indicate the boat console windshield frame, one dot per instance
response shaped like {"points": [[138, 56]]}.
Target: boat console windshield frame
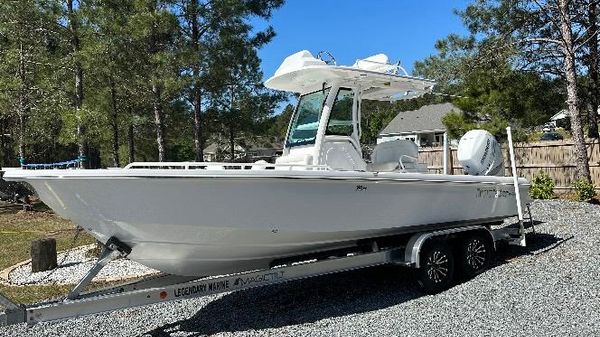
{"points": [[329, 113], [324, 129], [305, 120]]}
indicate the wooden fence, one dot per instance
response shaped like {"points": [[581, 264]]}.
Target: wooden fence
{"points": [[557, 158]]}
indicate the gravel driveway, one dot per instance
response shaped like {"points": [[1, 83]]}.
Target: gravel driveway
{"points": [[552, 288]]}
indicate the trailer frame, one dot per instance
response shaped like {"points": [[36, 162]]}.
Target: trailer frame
{"points": [[164, 287]]}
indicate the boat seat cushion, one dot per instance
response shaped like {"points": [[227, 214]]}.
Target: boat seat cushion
{"points": [[400, 154], [341, 154], [383, 167]]}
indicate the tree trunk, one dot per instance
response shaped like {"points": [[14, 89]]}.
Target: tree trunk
{"points": [[130, 138], [2, 144], [592, 65], [198, 143], [5, 142], [75, 45], [231, 142], [21, 134], [158, 120], [114, 124], [582, 168], [231, 123], [22, 105], [157, 90], [197, 99], [78, 103]]}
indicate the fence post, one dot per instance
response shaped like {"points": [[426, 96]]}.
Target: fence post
{"points": [[445, 159]]}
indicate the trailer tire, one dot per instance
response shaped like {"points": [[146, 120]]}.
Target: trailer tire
{"points": [[475, 255], [436, 272]]}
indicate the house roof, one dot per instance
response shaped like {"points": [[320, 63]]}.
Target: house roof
{"points": [[564, 113], [213, 147], [427, 118], [560, 115]]}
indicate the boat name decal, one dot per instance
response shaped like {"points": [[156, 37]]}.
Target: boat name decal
{"points": [[263, 278], [492, 192], [361, 188], [201, 288]]}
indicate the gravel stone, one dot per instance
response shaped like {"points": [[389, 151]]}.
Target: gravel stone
{"points": [[550, 288], [74, 266]]}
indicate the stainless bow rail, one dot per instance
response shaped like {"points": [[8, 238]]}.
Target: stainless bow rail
{"points": [[216, 166]]}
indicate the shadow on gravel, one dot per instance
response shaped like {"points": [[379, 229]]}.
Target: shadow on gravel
{"points": [[310, 300], [537, 243], [300, 302]]}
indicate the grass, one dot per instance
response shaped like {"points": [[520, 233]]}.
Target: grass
{"points": [[17, 230], [34, 293]]}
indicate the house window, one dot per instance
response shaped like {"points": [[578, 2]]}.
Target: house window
{"points": [[439, 139]]}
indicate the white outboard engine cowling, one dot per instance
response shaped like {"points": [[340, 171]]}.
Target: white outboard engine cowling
{"points": [[480, 154]]}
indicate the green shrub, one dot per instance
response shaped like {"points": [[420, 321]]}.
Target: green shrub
{"points": [[584, 190], [542, 186]]}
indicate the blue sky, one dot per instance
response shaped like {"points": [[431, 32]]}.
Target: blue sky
{"points": [[405, 30]]}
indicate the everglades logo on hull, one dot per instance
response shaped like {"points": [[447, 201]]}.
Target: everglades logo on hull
{"points": [[492, 192]]}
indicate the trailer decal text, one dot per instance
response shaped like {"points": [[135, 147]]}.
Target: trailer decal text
{"points": [[201, 288], [263, 278]]}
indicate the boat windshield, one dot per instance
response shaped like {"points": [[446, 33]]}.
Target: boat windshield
{"points": [[306, 120], [340, 120]]}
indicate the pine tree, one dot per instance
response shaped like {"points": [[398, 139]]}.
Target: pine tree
{"points": [[27, 56], [208, 28]]}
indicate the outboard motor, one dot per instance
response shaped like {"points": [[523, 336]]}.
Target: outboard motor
{"points": [[480, 154]]}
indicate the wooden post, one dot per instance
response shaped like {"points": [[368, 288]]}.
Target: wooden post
{"points": [[450, 161], [446, 156], [43, 255]]}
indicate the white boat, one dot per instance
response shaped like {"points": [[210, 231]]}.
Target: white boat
{"points": [[193, 218]]}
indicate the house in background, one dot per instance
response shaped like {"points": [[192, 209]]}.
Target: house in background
{"points": [[423, 126], [216, 152], [561, 120]]}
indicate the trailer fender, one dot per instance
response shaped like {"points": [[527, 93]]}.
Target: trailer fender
{"points": [[412, 252]]}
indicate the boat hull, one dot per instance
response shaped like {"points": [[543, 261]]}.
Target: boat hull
{"points": [[207, 225]]}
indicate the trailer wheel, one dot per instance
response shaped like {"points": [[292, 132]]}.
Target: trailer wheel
{"points": [[476, 253], [436, 272]]}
